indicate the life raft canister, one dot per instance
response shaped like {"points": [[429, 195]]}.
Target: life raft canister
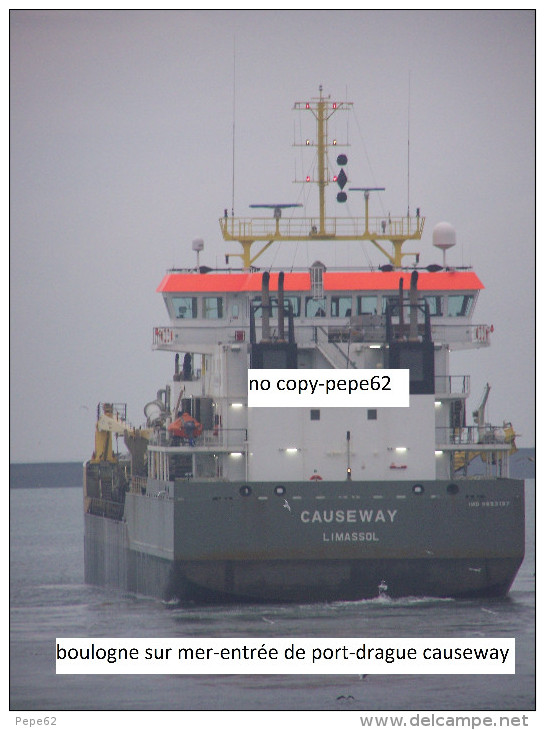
{"points": [[185, 427]]}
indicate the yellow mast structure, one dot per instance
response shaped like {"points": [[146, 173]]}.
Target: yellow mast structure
{"points": [[378, 230]]}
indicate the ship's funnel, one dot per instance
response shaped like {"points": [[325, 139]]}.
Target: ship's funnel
{"points": [[413, 302], [281, 306], [265, 307]]}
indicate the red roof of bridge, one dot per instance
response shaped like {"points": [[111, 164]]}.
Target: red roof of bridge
{"points": [[333, 281]]}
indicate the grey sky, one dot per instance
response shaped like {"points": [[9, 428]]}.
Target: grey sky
{"points": [[121, 154]]}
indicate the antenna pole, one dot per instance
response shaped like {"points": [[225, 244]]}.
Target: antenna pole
{"points": [[409, 148], [233, 145]]}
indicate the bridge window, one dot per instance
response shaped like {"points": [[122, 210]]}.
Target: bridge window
{"points": [[459, 305], [315, 307], [341, 306], [185, 307], [295, 306], [213, 308], [435, 306], [256, 304], [392, 302], [367, 305]]}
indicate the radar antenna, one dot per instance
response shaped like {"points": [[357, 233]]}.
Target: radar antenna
{"points": [[277, 207], [366, 192]]}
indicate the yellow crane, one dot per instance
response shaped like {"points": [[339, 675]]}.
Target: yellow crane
{"points": [[111, 419]]}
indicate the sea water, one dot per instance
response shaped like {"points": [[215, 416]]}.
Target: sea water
{"points": [[48, 599]]}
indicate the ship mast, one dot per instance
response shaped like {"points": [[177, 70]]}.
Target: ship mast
{"points": [[321, 127], [378, 230]]}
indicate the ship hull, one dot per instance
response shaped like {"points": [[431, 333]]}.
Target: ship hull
{"points": [[298, 542], [338, 580]]}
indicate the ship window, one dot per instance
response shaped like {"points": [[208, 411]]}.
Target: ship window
{"points": [[434, 304], [367, 305], [315, 307], [315, 414], [392, 302], [459, 305], [371, 414], [185, 307], [341, 306], [212, 307], [256, 304], [295, 306]]}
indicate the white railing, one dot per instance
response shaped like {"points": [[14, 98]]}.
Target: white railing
{"points": [[471, 435]]}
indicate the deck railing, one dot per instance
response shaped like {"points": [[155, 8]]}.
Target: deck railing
{"points": [[212, 438], [266, 228], [491, 436], [138, 485], [356, 329], [451, 384]]}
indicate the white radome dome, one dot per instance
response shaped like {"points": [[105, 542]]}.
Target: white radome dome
{"points": [[444, 236]]}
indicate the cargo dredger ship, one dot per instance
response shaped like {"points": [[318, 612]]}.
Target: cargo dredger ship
{"points": [[218, 501]]}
